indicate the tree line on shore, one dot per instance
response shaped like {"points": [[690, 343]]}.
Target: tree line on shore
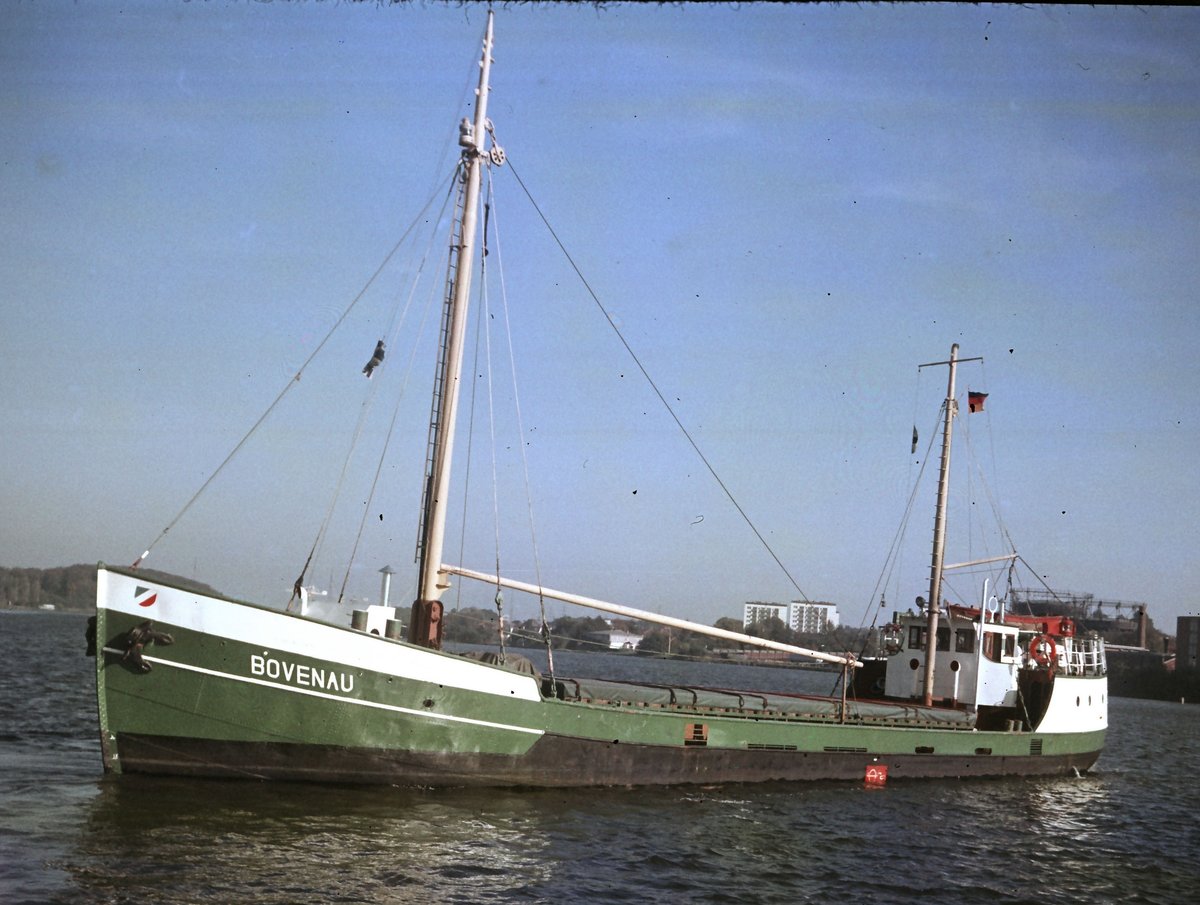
{"points": [[67, 588], [73, 589], [473, 625]]}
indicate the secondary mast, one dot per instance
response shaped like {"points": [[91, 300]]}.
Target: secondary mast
{"points": [[425, 625], [938, 564]]}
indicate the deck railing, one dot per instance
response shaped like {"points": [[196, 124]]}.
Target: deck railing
{"points": [[1083, 657]]}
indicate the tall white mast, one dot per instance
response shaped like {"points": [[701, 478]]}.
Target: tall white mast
{"points": [[425, 626]]}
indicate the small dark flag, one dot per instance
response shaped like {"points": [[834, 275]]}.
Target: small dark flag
{"points": [[376, 360], [975, 401], [914, 446]]}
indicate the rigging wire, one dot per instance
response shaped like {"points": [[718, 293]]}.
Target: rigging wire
{"points": [[512, 363], [295, 379], [403, 384], [978, 474], [1040, 581], [364, 410], [462, 536], [654, 386], [399, 315], [993, 496], [965, 433], [892, 560], [924, 459], [395, 323], [482, 351], [485, 312], [976, 471]]}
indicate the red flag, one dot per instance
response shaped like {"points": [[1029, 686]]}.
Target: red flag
{"points": [[975, 401]]}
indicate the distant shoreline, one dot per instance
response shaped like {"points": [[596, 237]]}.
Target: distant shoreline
{"points": [[57, 610], [39, 611]]}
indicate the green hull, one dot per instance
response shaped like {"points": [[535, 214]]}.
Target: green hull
{"points": [[231, 697]]}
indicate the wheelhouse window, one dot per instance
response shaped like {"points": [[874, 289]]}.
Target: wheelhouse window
{"points": [[993, 643], [943, 638], [916, 637], [964, 640]]}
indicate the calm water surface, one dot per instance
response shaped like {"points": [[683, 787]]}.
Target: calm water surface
{"points": [[1127, 832]]}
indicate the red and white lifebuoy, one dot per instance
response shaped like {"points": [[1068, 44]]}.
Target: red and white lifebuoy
{"points": [[1043, 651]]}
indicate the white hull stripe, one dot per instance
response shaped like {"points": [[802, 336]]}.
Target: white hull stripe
{"points": [[333, 697]]}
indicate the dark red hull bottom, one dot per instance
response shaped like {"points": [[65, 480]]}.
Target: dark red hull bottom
{"points": [[556, 761]]}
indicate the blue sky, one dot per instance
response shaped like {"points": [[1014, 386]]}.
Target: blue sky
{"points": [[785, 208]]}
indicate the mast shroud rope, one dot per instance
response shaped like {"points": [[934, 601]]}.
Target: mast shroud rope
{"points": [[659, 393], [291, 382]]}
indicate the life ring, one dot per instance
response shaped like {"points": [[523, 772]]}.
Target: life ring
{"points": [[1043, 651]]}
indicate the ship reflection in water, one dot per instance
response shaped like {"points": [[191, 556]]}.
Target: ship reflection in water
{"points": [[160, 839]]}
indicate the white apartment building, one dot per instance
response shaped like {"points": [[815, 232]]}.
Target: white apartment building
{"points": [[798, 615]]}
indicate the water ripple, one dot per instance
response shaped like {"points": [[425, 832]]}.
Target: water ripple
{"points": [[1125, 833]]}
